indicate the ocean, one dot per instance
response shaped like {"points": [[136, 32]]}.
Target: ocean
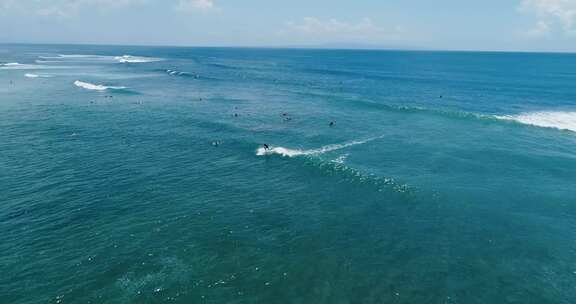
{"points": [[139, 175]]}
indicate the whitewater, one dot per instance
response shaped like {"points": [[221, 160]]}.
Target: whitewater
{"points": [[96, 87], [286, 152], [561, 120]]}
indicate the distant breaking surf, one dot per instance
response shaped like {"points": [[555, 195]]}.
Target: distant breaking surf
{"points": [[179, 73], [119, 59], [30, 75], [286, 152], [546, 119], [21, 66], [135, 59], [95, 87]]}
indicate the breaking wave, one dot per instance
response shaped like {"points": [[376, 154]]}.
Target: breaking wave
{"points": [[30, 75], [546, 119], [95, 87], [561, 120], [26, 66], [60, 56], [183, 74], [135, 59], [286, 152], [48, 61], [20, 66], [119, 59]]}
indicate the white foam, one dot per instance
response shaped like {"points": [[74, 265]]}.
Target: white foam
{"points": [[48, 61], [95, 87], [546, 119], [340, 159], [135, 59], [15, 66], [20, 66], [280, 151], [286, 152], [30, 75], [120, 59], [178, 73], [60, 56]]}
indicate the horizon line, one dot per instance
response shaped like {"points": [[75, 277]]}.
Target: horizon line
{"points": [[300, 47]]}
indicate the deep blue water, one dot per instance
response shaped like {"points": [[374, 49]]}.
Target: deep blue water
{"points": [[448, 177]]}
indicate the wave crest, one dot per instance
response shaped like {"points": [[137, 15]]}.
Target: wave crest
{"points": [[547, 119], [120, 59], [179, 73], [286, 152], [30, 75], [135, 59], [20, 66], [95, 87]]}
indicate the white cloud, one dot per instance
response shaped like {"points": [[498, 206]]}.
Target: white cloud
{"points": [[68, 8], [363, 30], [62, 8], [541, 29], [552, 15], [191, 5]]}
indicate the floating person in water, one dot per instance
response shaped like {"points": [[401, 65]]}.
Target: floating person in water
{"points": [[332, 124], [216, 143], [286, 116]]}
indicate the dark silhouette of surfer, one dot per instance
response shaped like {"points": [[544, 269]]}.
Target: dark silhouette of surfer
{"points": [[266, 147], [332, 123]]}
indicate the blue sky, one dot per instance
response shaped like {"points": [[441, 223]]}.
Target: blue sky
{"points": [[525, 25]]}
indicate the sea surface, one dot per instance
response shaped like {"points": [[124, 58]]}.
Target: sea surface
{"points": [[138, 175]]}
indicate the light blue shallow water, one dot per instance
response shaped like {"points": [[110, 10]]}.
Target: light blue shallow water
{"points": [[447, 178]]}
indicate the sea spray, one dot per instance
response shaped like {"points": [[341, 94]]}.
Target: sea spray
{"points": [[95, 87], [547, 119], [286, 152]]}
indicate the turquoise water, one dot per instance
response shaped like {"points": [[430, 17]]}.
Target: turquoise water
{"points": [[447, 178]]}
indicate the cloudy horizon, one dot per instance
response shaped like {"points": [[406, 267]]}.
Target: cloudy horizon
{"points": [[509, 25]]}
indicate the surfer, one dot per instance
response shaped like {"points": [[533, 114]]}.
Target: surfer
{"points": [[332, 123], [266, 147]]}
